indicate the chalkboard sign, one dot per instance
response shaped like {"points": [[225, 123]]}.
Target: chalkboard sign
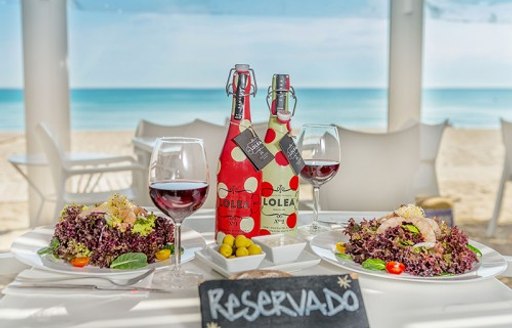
{"points": [[312, 301], [292, 153], [254, 148]]}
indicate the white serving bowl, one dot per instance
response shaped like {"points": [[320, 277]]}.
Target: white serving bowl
{"points": [[281, 248], [237, 264]]}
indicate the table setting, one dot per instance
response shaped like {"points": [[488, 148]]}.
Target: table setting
{"points": [[116, 263], [47, 272], [483, 297]]}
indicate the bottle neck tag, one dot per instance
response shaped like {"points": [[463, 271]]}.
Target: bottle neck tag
{"points": [[292, 154], [239, 97], [254, 148]]}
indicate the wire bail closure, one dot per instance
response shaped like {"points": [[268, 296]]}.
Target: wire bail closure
{"points": [[291, 91], [229, 84]]}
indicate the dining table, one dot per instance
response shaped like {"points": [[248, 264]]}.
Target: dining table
{"points": [[388, 302]]}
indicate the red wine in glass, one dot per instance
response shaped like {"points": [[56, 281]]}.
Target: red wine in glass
{"points": [[178, 199], [317, 172]]}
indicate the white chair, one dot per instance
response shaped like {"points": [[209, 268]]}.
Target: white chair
{"points": [[213, 136], [506, 175], [397, 178], [377, 171], [80, 179], [150, 129], [426, 183]]}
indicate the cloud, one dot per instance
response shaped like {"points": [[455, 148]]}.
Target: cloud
{"points": [[472, 55], [11, 58], [174, 50], [133, 49]]}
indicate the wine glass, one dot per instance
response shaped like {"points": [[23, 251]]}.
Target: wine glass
{"points": [[319, 145], [178, 186]]}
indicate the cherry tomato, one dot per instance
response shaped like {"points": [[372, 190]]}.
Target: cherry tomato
{"points": [[395, 267], [79, 262]]}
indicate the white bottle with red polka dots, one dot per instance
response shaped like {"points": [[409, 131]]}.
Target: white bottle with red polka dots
{"points": [[238, 181], [280, 184]]}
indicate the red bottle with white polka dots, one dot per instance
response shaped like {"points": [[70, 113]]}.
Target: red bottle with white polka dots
{"points": [[280, 186], [238, 181]]}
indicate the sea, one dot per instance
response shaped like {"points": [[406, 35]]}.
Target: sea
{"points": [[121, 109]]}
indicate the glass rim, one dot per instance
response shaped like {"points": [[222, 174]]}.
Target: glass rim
{"points": [[180, 139]]}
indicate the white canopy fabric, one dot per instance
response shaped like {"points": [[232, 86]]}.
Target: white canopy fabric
{"points": [[495, 11]]}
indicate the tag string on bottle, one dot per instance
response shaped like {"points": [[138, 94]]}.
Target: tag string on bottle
{"points": [[229, 84], [291, 91], [248, 127]]}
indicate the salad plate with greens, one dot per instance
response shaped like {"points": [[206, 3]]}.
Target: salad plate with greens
{"points": [[406, 245], [114, 237]]}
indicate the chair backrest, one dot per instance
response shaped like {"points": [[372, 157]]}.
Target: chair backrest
{"points": [[54, 155], [426, 183], [213, 136], [150, 129], [506, 132], [376, 173]]}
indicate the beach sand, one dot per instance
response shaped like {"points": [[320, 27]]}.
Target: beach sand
{"points": [[469, 168]]}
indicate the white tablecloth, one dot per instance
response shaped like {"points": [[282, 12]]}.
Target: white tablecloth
{"points": [[485, 303]]}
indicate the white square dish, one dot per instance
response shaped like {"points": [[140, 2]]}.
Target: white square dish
{"points": [[281, 248], [236, 264], [305, 260]]}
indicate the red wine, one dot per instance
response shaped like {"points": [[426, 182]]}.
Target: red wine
{"points": [[178, 199], [318, 172]]}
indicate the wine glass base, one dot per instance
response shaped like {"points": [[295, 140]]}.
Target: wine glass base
{"points": [[177, 279], [311, 230]]}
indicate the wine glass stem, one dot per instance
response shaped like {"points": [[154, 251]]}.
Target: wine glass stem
{"points": [[177, 246], [316, 206]]}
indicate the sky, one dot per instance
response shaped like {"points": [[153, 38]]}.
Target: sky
{"points": [[177, 43]]}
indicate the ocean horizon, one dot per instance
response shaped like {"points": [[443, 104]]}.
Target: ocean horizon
{"points": [[122, 108]]}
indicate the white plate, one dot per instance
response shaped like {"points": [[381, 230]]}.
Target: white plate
{"points": [[305, 260], [491, 263], [26, 246]]}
